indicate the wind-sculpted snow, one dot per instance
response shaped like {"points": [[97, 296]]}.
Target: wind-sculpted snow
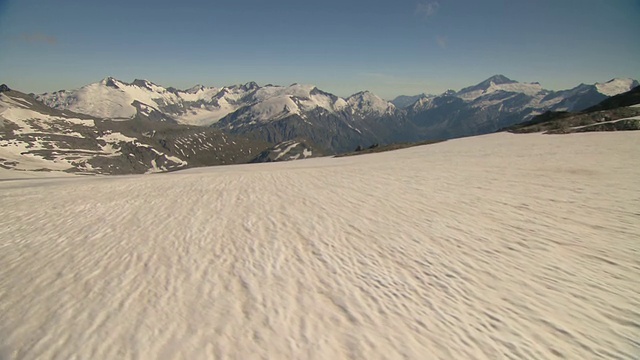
{"points": [[502, 246]]}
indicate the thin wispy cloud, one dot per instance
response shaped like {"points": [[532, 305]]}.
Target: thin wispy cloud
{"points": [[36, 38], [427, 9]]}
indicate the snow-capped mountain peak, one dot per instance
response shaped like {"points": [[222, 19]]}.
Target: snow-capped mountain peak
{"points": [[498, 83], [195, 89], [498, 79], [367, 102], [115, 99], [146, 84], [272, 103], [111, 82], [250, 86], [486, 84], [616, 86]]}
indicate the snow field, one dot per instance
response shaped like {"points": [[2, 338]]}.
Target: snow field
{"points": [[499, 246]]}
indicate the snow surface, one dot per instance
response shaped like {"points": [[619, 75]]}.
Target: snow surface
{"points": [[272, 103], [94, 99], [368, 102], [530, 89], [113, 102], [206, 115], [202, 106], [272, 109], [500, 246], [303, 94], [615, 86], [198, 93]]}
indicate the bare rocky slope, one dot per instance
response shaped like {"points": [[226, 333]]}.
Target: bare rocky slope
{"points": [[36, 137], [620, 112]]}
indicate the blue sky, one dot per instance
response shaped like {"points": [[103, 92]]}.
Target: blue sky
{"points": [[388, 47]]}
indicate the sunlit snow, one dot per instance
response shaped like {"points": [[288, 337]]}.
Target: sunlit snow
{"points": [[500, 246], [615, 86]]}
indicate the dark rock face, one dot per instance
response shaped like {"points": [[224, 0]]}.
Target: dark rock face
{"points": [[622, 125], [110, 82], [332, 133], [142, 83], [4, 88]]}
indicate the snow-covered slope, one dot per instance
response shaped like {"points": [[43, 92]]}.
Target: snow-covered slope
{"points": [[36, 137], [109, 98], [386, 256], [498, 89], [282, 113], [405, 101], [366, 102], [304, 112], [112, 98], [499, 83], [207, 110], [273, 103], [499, 102], [616, 86]]}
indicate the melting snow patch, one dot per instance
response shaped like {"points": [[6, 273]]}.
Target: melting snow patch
{"points": [[286, 150]]}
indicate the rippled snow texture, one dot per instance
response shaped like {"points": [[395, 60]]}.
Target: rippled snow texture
{"points": [[501, 246]]}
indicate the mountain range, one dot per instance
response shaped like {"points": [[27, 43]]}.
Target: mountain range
{"points": [[112, 126]]}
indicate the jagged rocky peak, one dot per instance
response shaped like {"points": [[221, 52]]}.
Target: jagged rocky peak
{"points": [[368, 102], [405, 101], [143, 83], [363, 96], [486, 84], [249, 86], [499, 79], [316, 91], [4, 88], [616, 86], [110, 82], [194, 89]]}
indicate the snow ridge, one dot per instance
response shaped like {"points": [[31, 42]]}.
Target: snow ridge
{"points": [[200, 105], [616, 86]]}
